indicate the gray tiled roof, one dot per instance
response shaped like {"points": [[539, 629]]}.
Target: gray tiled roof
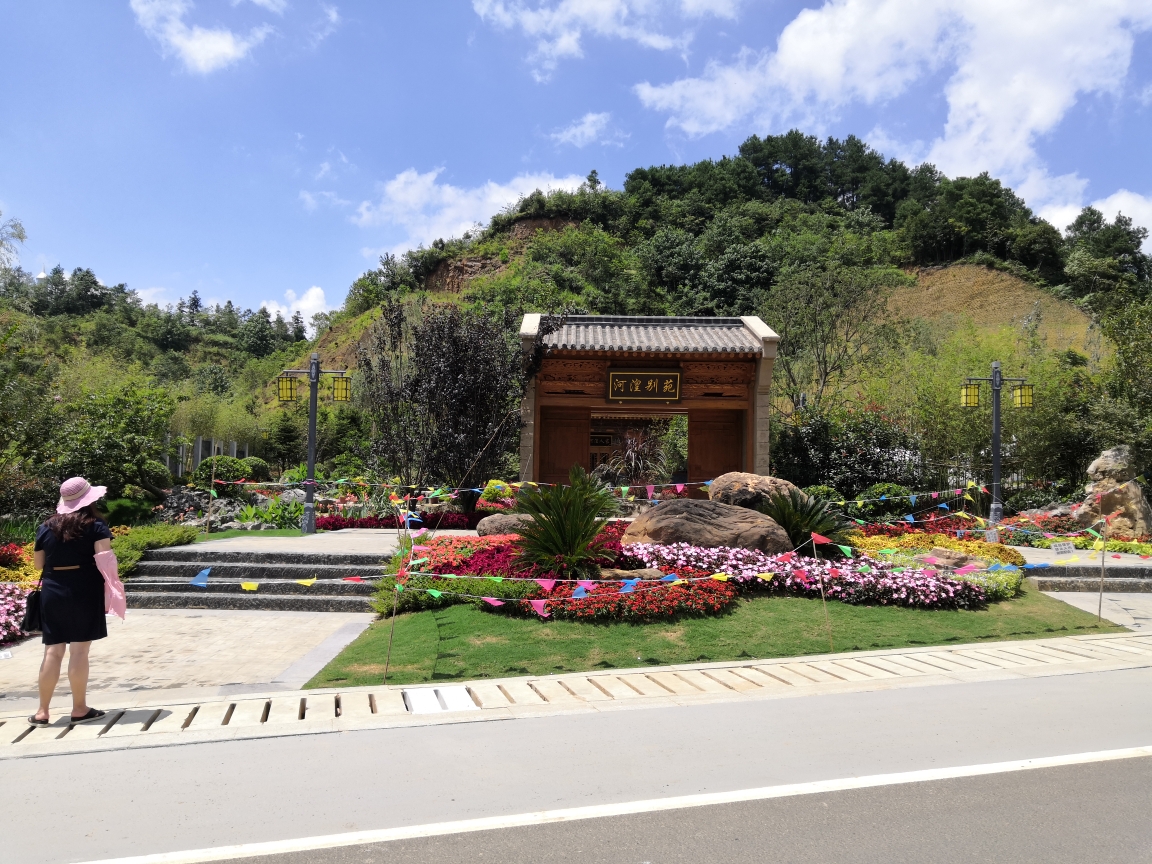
{"points": [[639, 333]]}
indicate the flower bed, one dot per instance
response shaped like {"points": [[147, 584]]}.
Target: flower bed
{"points": [[441, 521], [916, 542], [12, 599], [17, 567], [931, 526]]}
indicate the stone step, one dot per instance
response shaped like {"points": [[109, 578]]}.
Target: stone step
{"points": [[248, 600], [215, 585], [203, 557], [1112, 570], [250, 571], [1089, 583]]}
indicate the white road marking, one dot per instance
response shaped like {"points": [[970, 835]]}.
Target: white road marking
{"points": [[600, 811]]}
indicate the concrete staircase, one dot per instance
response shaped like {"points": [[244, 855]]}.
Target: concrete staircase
{"points": [[1086, 577], [162, 580]]}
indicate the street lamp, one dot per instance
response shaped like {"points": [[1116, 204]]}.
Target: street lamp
{"points": [[286, 392], [1022, 397]]}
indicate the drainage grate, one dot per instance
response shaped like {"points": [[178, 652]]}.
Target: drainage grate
{"points": [[437, 700]]}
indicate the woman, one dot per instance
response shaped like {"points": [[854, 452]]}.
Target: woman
{"points": [[72, 593]]}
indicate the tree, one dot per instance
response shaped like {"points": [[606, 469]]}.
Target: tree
{"points": [[11, 233], [299, 333], [829, 319], [286, 441], [256, 335]]}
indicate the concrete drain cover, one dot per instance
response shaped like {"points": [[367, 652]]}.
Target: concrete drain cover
{"points": [[437, 700]]}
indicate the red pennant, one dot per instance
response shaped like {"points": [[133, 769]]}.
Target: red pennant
{"points": [[354, 579], [819, 538]]}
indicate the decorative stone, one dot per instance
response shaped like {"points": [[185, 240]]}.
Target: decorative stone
{"points": [[292, 495], [747, 490], [708, 523], [950, 558], [231, 526], [648, 573], [1112, 490], [501, 523]]}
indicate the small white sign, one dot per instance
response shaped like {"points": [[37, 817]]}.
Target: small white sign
{"points": [[1064, 547], [5, 655], [992, 536]]}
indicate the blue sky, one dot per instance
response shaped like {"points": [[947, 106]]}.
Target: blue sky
{"points": [[267, 151]]}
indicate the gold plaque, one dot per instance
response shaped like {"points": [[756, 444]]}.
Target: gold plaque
{"points": [[659, 386]]}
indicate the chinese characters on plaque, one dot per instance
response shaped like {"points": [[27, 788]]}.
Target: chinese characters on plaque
{"points": [[644, 386]]}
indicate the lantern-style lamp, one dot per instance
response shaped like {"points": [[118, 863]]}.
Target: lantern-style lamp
{"points": [[1022, 396], [342, 389], [286, 388], [969, 395]]}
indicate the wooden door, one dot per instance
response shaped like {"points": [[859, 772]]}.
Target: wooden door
{"points": [[565, 439], [715, 444]]}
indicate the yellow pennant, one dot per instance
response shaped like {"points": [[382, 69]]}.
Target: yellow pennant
{"points": [[307, 583], [249, 586], [720, 577], [1098, 545], [969, 497]]}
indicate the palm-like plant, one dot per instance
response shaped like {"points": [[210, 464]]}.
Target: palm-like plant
{"points": [[801, 515], [565, 523]]}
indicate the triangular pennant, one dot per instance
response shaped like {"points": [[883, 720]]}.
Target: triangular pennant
{"points": [[249, 586], [200, 580], [538, 605]]}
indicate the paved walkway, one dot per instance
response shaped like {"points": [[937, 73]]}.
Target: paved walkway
{"points": [[151, 722], [1133, 611], [1085, 556], [374, 540], [195, 653]]}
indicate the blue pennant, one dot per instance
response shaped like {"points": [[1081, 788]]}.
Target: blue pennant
{"points": [[579, 593], [200, 580]]}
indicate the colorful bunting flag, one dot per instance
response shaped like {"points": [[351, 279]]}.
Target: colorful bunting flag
{"points": [[200, 580], [249, 586], [307, 583], [819, 538], [847, 550], [352, 579], [492, 601], [433, 592], [580, 593], [538, 605], [546, 584]]}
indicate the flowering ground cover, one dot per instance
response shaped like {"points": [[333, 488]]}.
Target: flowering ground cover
{"points": [[462, 642], [12, 598], [924, 542], [443, 521]]}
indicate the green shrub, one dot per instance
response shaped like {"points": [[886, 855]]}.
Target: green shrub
{"points": [[228, 469], [565, 521], [130, 547], [156, 474], [256, 468], [494, 490], [997, 585], [127, 511], [19, 531], [415, 596], [801, 516], [824, 493], [875, 510]]}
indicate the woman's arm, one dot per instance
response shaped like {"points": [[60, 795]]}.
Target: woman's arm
{"points": [[38, 559], [101, 546]]}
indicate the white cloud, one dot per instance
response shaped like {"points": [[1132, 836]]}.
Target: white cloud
{"points": [[558, 27], [277, 6], [1133, 204], [328, 24], [1017, 67], [428, 210], [311, 302], [201, 49], [312, 200], [590, 129]]}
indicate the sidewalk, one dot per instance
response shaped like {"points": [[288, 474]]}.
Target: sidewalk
{"points": [[1085, 556], [143, 720]]}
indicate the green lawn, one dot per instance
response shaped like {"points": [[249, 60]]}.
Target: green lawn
{"points": [[462, 642], [276, 532]]}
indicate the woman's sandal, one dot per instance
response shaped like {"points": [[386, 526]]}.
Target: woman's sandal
{"points": [[32, 721], [92, 714]]}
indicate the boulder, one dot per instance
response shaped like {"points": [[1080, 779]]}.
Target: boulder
{"points": [[230, 526], [292, 495], [619, 575], [501, 523], [747, 490], [707, 523], [1106, 497], [1114, 464], [950, 558]]}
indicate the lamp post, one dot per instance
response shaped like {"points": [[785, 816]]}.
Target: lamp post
{"points": [[286, 392], [1022, 397]]}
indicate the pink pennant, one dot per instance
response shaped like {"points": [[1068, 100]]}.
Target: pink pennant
{"points": [[833, 572], [935, 494], [492, 601], [930, 560], [547, 585], [352, 579], [679, 487], [786, 557], [1049, 536], [586, 584], [958, 491], [418, 533], [538, 605], [651, 491], [1115, 556], [970, 568], [421, 548]]}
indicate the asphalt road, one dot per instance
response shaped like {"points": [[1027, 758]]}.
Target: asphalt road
{"points": [[98, 806], [1087, 813]]}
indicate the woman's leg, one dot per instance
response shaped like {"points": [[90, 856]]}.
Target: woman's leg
{"points": [[78, 676], [49, 675]]}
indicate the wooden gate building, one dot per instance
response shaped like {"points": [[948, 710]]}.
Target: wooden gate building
{"points": [[598, 369]]}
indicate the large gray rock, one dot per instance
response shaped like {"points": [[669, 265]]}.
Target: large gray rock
{"points": [[501, 523], [707, 523], [747, 490], [1113, 490], [292, 495]]}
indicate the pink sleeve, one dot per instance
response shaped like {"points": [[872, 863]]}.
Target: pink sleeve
{"points": [[114, 599]]}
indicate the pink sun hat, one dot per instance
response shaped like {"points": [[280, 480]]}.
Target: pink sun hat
{"points": [[76, 492]]}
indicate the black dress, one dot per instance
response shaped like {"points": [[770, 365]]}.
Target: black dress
{"points": [[72, 601]]}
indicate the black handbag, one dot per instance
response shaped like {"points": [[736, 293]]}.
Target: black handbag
{"points": [[31, 622]]}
